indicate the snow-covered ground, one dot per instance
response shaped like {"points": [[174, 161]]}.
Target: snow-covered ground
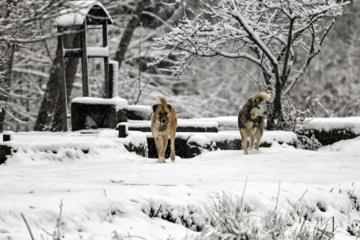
{"points": [[109, 192]]}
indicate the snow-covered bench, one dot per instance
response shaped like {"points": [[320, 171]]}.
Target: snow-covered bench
{"points": [[89, 112]]}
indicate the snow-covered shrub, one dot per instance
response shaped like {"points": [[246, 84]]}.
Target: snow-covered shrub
{"points": [[231, 218], [296, 120], [354, 228], [308, 143], [189, 216]]}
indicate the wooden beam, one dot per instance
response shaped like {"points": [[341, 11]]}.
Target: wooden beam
{"points": [[62, 80], [113, 78], [92, 52], [108, 93], [84, 61]]}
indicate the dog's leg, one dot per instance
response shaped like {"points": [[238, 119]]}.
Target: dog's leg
{"points": [[245, 144], [164, 143], [172, 154], [158, 148], [244, 140], [258, 138], [252, 142]]}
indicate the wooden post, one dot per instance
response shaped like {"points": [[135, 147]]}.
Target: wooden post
{"points": [[106, 62], [8, 136], [123, 129], [62, 80], [84, 61], [113, 78]]}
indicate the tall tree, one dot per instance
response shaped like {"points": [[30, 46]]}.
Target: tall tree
{"points": [[6, 59], [267, 33], [143, 20], [21, 24], [335, 71], [133, 22], [49, 116]]}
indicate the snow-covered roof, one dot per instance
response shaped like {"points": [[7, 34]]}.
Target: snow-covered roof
{"points": [[75, 13]]}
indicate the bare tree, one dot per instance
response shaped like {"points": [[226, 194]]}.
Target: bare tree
{"points": [[133, 22], [49, 116], [337, 88], [23, 27], [144, 20], [31, 97], [268, 33], [6, 59]]}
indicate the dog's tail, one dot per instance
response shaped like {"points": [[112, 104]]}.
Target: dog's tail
{"points": [[162, 99], [261, 96]]}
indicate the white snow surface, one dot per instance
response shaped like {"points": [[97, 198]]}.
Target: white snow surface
{"points": [[120, 103], [224, 123], [111, 191], [326, 124], [98, 51]]}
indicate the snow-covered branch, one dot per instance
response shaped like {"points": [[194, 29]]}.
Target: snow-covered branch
{"points": [[268, 33]]}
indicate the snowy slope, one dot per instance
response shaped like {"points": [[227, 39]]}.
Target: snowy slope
{"points": [[110, 192]]}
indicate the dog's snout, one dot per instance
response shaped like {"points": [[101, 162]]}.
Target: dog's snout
{"points": [[162, 120]]}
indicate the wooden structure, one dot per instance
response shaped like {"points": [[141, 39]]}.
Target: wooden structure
{"points": [[80, 14]]}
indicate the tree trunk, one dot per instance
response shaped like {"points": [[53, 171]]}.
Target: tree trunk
{"points": [[6, 84], [49, 117], [276, 119], [133, 23], [7, 67]]}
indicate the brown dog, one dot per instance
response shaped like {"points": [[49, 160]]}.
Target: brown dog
{"points": [[251, 121], [163, 124]]}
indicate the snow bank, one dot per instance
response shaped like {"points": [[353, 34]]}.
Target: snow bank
{"points": [[280, 137], [328, 124], [269, 137], [38, 148], [206, 125], [191, 144], [346, 146], [330, 130], [135, 142], [224, 123]]}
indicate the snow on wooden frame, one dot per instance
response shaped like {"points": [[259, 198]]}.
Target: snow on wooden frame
{"points": [[77, 11]]}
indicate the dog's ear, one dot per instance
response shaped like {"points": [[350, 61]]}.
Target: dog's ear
{"points": [[155, 107], [169, 106]]}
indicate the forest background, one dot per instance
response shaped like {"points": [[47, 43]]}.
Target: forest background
{"points": [[210, 87]]}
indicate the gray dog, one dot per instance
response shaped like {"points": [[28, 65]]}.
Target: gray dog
{"points": [[251, 121]]}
